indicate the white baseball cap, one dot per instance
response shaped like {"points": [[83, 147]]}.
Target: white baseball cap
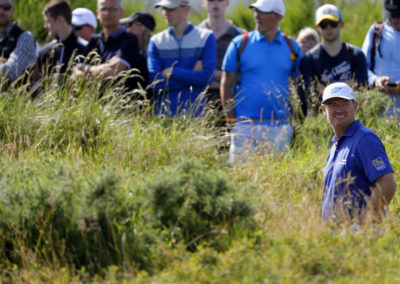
{"points": [[338, 90], [328, 12], [83, 16], [172, 4], [276, 6]]}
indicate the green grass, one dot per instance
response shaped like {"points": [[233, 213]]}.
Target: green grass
{"points": [[95, 190]]}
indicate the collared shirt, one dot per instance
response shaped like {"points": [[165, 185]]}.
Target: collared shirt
{"points": [[58, 53], [21, 57], [354, 163], [125, 46], [182, 89], [387, 61], [265, 69]]}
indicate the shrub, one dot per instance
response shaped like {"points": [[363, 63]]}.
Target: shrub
{"points": [[196, 203]]}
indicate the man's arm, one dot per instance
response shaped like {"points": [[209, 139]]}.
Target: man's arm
{"points": [[23, 55], [226, 91], [382, 193]]}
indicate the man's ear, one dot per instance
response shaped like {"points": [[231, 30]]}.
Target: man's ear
{"points": [[323, 110]]}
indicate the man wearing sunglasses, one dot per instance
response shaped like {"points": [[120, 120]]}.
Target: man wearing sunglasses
{"points": [[332, 60], [381, 47], [84, 22], [17, 46]]}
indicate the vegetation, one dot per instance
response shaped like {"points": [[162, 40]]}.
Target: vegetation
{"points": [[97, 190]]}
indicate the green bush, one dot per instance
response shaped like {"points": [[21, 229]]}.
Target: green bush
{"points": [[197, 204]]}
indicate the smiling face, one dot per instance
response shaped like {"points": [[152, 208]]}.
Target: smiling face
{"points": [[341, 113]]}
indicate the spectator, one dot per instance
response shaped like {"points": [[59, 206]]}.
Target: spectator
{"points": [[181, 60], [307, 39], [118, 49], [383, 57], [59, 52], [17, 46], [261, 108], [224, 31], [333, 60], [84, 22], [142, 25], [358, 179]]}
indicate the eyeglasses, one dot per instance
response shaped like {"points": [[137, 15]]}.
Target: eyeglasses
{"points": [[6, 6], [325, 24]]}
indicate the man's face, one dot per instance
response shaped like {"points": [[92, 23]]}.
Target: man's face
{"points": [[330, 30], [109, 13], [266, 21], [175, 17], [136, 28], [216, 8], [51, 24], [340, 113], [6, 13], [86, 32], [395, 23]]}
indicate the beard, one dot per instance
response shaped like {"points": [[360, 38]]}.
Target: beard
{"points": [[5, 21]]}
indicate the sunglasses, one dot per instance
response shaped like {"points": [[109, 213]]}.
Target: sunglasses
{"points": [[78, 28], [325, 24], [6, 6]]}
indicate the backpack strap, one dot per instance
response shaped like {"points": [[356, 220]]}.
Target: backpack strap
{"points": [[293, 55], [243, 43], [377, 35]]}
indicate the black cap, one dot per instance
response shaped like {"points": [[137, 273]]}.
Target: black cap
{"points": [[145, 19], [391, 9]]}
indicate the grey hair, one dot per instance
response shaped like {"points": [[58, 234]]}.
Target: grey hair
{"points": [[119, 3]]}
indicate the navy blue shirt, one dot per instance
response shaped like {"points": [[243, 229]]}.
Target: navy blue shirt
{"points": [[59, 52], [354, 163], [125, 46], [317, 65]]}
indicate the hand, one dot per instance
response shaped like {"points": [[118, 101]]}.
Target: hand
{"points": [[167, 72], [382, 84], [198, 66]]}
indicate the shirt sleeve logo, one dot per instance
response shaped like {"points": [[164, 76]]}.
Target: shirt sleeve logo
{"points": [[379, 164]]}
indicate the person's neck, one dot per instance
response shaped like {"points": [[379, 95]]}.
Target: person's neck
{"points": [[180, 29], [218, 25], [107, 31], [332, 48], [270, 35], [4, 28], [65, 33]]}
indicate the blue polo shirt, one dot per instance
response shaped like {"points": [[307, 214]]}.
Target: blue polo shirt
{"points": [[265, 69], [354, 163]]}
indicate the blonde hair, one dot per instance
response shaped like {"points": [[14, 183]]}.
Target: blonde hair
{"points": [[308, 32]]}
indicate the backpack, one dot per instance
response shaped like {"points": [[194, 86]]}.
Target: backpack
{"points": [[245, 38], [8, 44], [377, 35]]}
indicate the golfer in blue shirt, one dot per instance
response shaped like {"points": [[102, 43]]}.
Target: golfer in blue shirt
{"points": [[358, 179]]}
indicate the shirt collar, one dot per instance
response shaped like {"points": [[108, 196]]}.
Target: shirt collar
{"points": [[350, 131], [188, 29], [7, 31], [278, 38], [115, 34]]}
